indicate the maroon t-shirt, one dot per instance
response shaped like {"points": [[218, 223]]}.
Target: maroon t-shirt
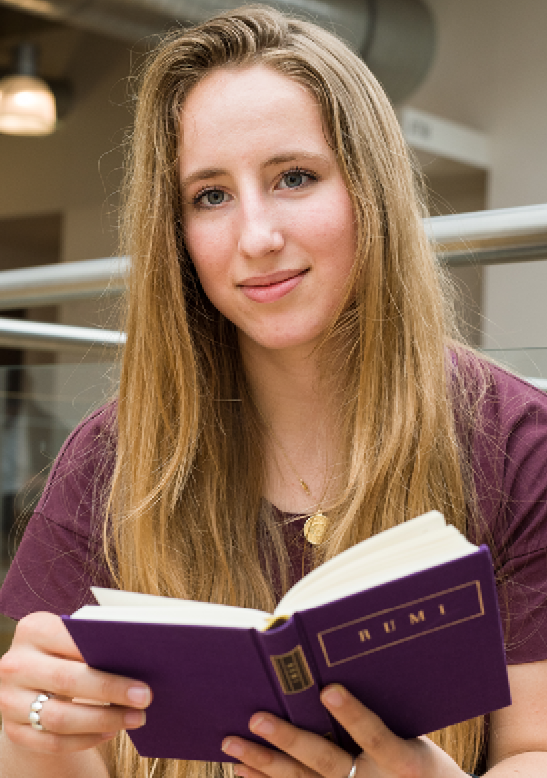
{"points": [[60, 554]]}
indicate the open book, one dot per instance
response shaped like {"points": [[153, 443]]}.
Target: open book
{"points": [[407, 620]]}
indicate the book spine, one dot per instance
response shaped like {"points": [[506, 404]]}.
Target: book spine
{"points": [[293, 674], [336, 733]]}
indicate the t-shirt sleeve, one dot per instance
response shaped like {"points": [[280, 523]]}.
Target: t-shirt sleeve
{"points": [[60, 555], [511, 477]]}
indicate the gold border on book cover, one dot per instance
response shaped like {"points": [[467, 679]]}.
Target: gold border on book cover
{"points": [[477, 610]]}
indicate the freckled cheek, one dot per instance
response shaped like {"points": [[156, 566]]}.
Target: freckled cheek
{"points": [[208, 253], [334, 236], [213, 280], [330, 222]]}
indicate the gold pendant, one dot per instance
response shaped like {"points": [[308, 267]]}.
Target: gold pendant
{"points": [[315, 528]]}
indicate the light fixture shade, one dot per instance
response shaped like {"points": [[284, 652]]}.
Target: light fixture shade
{"points": [[27, 106]]}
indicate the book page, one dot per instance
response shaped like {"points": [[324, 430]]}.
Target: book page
{"points": [[122, 598], [383, 545], [178, 612], [376, 570]]}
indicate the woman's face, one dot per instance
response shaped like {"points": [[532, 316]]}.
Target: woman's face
{"points": [[268, 220]]}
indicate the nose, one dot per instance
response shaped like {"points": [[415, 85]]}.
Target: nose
{"points": [[260, 232]]}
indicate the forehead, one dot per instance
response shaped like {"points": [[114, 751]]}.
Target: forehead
{"points": [[252, 105]]}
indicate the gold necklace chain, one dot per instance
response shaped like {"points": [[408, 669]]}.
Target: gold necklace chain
{"points": [[316, 524]]}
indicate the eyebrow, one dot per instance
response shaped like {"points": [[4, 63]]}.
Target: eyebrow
{"points": [[278, 159]]}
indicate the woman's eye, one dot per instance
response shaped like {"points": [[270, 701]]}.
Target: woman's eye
{"points": [[211, 197], [294, 179]]}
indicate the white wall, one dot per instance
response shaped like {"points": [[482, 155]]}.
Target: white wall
{"points": [[490, 72]]}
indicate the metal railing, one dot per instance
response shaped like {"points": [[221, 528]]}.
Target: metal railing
{"points": [[491, 237], [53, 284], [15, 333], [479, 238]]}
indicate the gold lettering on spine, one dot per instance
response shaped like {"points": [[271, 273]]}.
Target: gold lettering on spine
{"points": [[415, 619], [441, 609], [389, 626], [292, 671], [364, 635]]}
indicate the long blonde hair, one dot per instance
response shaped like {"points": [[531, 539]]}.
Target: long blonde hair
{"points": [[184, 509]]}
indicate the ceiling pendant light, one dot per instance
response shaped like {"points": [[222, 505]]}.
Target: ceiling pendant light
{"points": [[27, 104]]}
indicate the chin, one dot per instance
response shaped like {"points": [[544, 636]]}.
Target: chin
{"points": [[285, 339], [287, 344]]}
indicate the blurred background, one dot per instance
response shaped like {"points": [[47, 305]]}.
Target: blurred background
{"points": [[467, 78]]}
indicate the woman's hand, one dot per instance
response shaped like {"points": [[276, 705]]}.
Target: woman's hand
{"points": [[301, 754], [43, 658]]}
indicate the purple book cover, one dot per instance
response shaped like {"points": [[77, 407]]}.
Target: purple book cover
{"points": [[423, 652]]}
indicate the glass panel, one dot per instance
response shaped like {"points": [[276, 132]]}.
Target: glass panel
{"points": [[530, 363], [39, 407]]}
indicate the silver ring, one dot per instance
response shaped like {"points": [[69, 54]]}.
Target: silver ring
{"points": [[353, 770], [35, 708]]}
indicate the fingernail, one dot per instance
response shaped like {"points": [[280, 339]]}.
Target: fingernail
{"points": [[134, 718], [333, 696], [261, 725], [240, 771], [139, 695], [232, 748]]}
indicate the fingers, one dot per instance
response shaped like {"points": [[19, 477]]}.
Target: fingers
{"points": [[43, 656], [296, 748], [67, 727], [49, 742], [66, 678], [69, 718], [363, 725], [301, 753], [89, 706], [379, 744], [47, 633], [259, 760]]}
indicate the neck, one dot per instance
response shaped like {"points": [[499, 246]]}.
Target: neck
{"points": [[286, 385], [294, 400]]}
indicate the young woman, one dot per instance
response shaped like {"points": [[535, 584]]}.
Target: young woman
{"points": [[290, 386]]}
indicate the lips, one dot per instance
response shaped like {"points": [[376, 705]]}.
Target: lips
{"points": [[272, 278], [272, 287]]}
